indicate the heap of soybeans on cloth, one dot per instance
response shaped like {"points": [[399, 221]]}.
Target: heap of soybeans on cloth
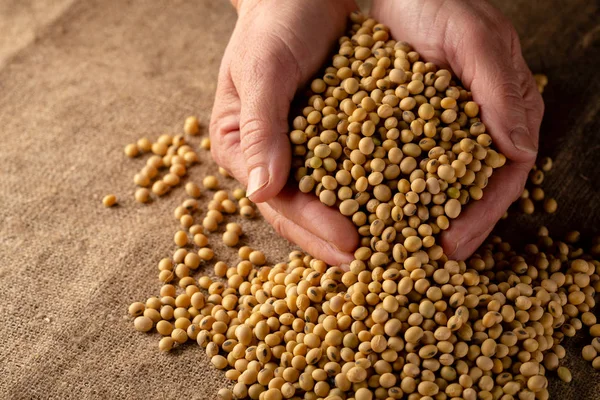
{"points": [[397, 146]]}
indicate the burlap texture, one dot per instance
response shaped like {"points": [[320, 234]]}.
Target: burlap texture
{"points": [[78, 81]]}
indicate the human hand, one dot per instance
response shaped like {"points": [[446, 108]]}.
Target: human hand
{"points": [[275, 48], [476, 42]]}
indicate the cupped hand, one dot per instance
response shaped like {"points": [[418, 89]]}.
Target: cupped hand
{"points": [[275, 48], [476, 42]]}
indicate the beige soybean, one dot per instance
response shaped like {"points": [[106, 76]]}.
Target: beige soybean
{"points": [[191, 125], [143, 323], [109, 200]]}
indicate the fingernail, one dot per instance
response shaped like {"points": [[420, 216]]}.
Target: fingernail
{"points": [[345, 267], [522, 140], [257, 179]]}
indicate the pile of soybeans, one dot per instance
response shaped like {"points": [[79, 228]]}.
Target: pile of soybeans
{"points": [[397, 146]]}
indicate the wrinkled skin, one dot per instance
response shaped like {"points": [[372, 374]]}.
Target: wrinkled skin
{"points": [[277, 47]]}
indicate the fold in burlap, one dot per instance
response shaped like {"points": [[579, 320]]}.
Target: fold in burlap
{"points": [[79, 80]]}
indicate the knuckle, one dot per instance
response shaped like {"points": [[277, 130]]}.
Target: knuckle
{"points": [[510, 30], [524, 77], [539, 108], [509, 90], [517, 185], [217, 129], [224, 137], [508, 93], [517, 191], [254, 137], [216, 134], [279, 223], [216, 156], [535, 104]]}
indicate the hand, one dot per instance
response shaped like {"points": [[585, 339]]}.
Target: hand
{"points": [[275, 48], [476, 42]]}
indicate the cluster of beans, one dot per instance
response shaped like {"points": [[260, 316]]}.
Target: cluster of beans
{"points": [[541, 81], [187, 308], [489, 327], [533, 191], [168, 152], [395, 143], [185, 261], [403, 321]]}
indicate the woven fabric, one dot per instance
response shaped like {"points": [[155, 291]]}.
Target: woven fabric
{"points": [[79, 80]]}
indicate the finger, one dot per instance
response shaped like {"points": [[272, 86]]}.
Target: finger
{"points": [[309, 242], [266, 80], [500, 89], [316, 222], [490, 62], [534, 104], [275, 59], [467, 232], [224, 127], [483, 49], [264, 144], [226, 151], [307, 211], [476, 41]]}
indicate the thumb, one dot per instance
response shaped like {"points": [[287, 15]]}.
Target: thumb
{"points": [[266, 80], [508, 100], [479, 44], [490, 62], [277, 51]]}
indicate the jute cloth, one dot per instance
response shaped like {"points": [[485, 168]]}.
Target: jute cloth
{"points": [[78, 81]]}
